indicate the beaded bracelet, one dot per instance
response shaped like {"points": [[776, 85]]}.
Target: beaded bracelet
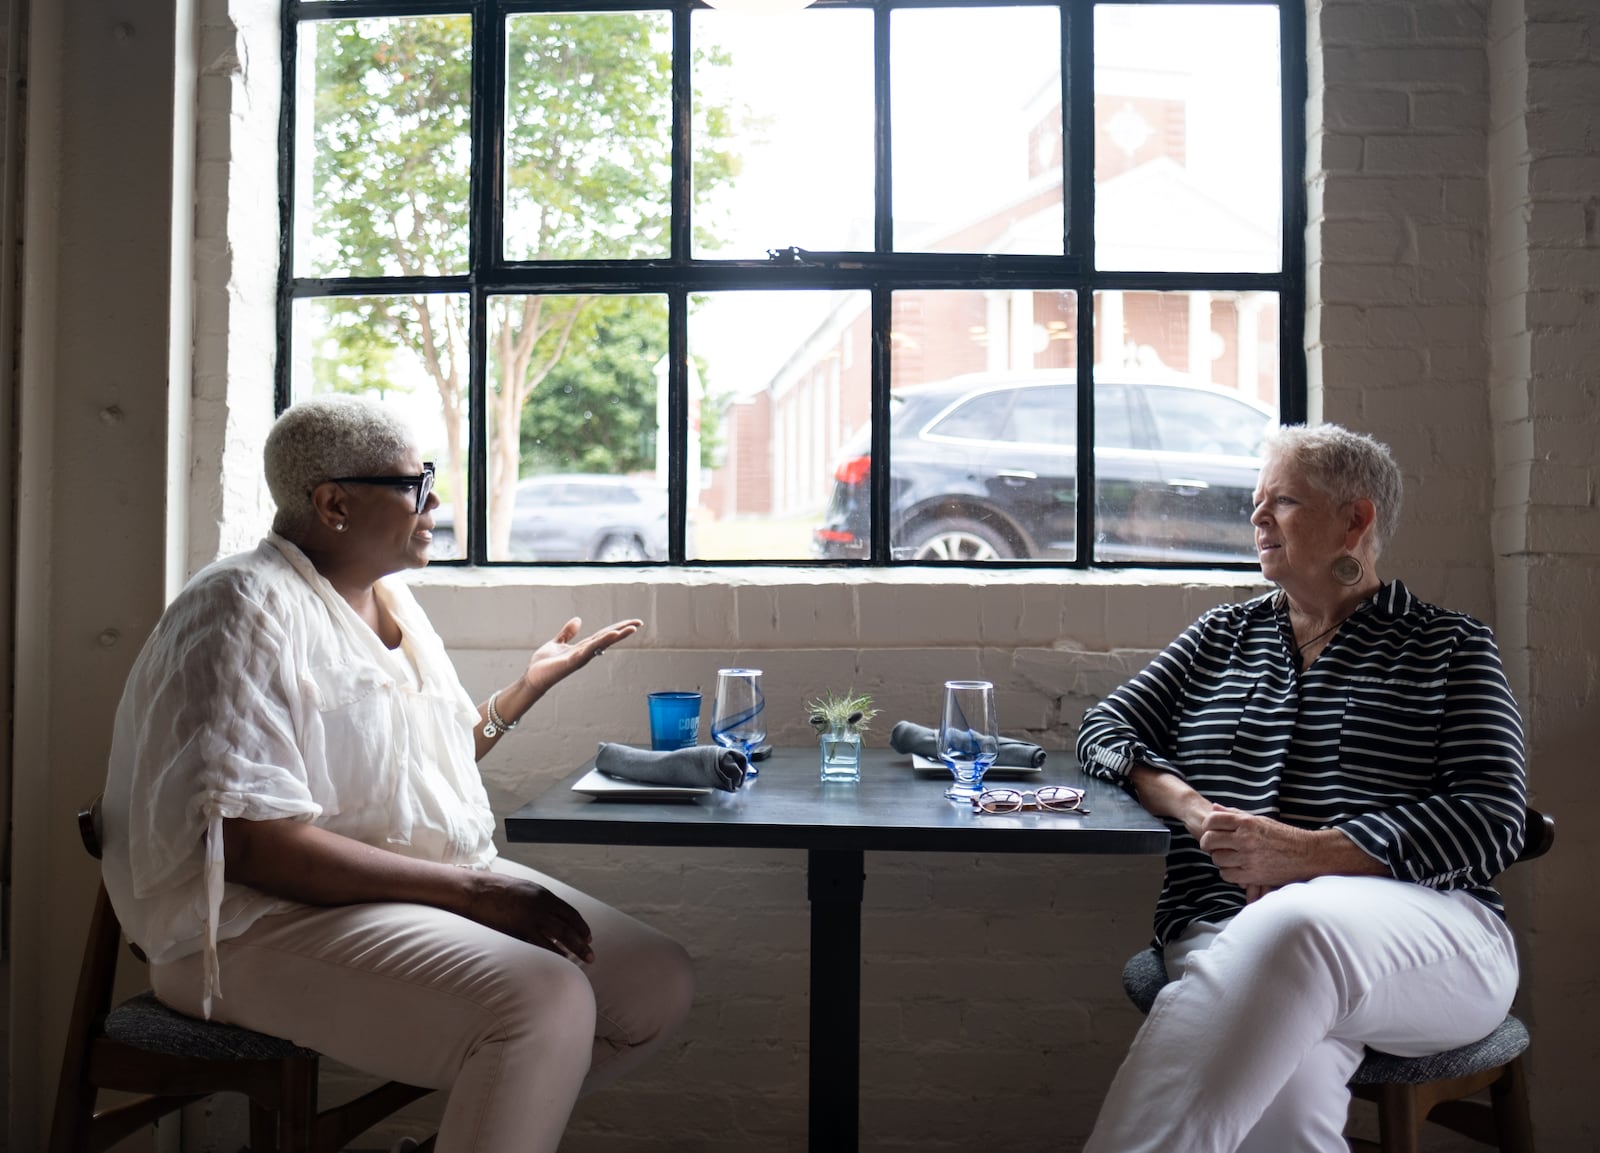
{"points": [[496, 724]]}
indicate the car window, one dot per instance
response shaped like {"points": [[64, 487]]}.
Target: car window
{"points": [[981, 418], [1192, 421], [1113, 427], [1045, 416]]}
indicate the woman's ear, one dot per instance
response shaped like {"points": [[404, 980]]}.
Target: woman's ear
{"points": [[1363, 515], [331, 503]]}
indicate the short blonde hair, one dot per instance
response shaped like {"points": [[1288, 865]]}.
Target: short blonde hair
{"points": [[324, 437], [1347, 466]]}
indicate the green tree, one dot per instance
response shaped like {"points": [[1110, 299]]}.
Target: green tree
{"points": [[587, 150], [596, 410]]}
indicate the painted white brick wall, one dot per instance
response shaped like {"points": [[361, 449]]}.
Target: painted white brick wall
{"points": [[1543, 292], [236, 267]]}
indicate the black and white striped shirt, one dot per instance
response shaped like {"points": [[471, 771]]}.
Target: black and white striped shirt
{"points": [[1403, 735]]}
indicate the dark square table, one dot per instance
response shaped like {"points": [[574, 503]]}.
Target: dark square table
{"points": [[891, 809]]}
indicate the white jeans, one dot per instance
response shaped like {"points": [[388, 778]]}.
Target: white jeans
{"points": [[1249, 1048], [414, 994]]}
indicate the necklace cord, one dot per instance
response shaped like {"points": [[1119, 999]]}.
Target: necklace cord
{"points": [[1299, 645]]}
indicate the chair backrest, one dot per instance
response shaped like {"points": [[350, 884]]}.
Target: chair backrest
{"points": [[280, 1084], [1538, 836], [89, 827]]}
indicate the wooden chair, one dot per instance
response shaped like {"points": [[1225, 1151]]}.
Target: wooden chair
{"points": [[1411, 1090], [143, 1047]]}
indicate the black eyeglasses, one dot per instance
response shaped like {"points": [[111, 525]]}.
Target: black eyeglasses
{"points": [[422, 482], [1051, 799]]}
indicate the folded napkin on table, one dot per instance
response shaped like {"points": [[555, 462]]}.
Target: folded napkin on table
{"points": [[924, 742], [699, 767]]}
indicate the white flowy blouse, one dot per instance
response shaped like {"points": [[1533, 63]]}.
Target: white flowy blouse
{"points": [[262, 695]]}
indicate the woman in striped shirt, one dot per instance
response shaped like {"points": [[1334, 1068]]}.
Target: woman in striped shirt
{"points": [[1342, 769]]}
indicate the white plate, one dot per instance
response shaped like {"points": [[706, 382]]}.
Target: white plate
{"points": [[596, 784], [995, 773]]}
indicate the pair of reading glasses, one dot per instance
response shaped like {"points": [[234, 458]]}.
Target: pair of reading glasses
{"points": [[1050, 799], [422, 482]]}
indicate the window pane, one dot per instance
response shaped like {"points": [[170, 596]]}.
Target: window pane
{"points": [[588, 135], [787, 381], [1200, 375], [382, 147], [976, 130], [577, 394], [409, 352], [1188, 147], [783, 158], [983, 441]]}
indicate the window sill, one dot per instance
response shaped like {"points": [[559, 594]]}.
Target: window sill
{"points": [[813, 607]]}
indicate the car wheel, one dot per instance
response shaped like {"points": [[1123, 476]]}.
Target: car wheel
{"points": [[958, 539], [620, 549]]}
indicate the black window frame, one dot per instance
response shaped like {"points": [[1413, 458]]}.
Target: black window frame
{"points": [[881, 271]]}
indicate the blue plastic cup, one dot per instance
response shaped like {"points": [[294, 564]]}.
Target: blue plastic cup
{"points": [[674, 720]]}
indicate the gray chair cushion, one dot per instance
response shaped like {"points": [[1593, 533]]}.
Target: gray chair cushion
{"points": [[145, 1023], [1507, 1042], [1145, 974], [1143, 977]]}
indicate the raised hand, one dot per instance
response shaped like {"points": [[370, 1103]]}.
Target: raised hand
{"points": [[562, 655]]}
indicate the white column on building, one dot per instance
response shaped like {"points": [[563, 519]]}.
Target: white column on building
{"points": [[998, 323], [1200, 337], [1020, 337], [1248, 336], [1113, 334]]}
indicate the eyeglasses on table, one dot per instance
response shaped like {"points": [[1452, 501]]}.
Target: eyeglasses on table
{"points": [[1049, 799]]}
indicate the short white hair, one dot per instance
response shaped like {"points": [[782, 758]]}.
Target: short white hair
{"points": [[1347, 466], [324, 437]]}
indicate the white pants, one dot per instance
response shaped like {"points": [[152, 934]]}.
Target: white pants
{"points": [[1249, 1048], [414, 994]]}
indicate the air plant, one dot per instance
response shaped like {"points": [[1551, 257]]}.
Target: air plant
{"points": [[841, 711]]}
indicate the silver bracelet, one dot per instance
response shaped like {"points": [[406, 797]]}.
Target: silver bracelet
{"points": [[496, 724]]}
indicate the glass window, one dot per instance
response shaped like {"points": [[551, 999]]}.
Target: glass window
{"points": [[1188, 172], [1047, 415], [383, 139], [977, 129], [654, 281], [587, 135], [984, 417]]}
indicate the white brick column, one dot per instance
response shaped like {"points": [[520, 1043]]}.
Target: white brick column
{"points": [[1543, 299], [235, 275], [1395, 249]]}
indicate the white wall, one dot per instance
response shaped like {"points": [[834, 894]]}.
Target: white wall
{"points": [[1453, 283]]}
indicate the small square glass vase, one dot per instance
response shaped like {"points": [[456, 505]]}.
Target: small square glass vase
{"points": [[841, 755]]}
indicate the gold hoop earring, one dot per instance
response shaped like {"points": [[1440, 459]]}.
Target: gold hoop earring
{"points": [[1348, 570]]}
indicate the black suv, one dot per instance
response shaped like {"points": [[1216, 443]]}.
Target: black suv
{"points": [[984, 467]]}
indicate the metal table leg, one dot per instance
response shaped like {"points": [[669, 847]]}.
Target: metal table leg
{"points": [[836, 879]]}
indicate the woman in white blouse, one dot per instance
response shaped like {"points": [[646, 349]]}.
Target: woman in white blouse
{"points": [[297, 836]]}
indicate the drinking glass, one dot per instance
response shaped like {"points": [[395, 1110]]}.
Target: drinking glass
{"points": [[738, 716], [969, 737]]}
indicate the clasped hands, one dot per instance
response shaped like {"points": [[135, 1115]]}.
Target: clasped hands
{"points": [[1261, 854], [1257, 853]]}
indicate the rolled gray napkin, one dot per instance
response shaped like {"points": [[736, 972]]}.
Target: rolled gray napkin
{"points": [[906, 737], [700, 767]]}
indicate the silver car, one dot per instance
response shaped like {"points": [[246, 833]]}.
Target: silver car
{"points": [[579, 517]]}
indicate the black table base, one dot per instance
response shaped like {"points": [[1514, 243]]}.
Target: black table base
{"points": [[835, 882]]}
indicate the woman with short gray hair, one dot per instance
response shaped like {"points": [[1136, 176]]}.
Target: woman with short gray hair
{"points": [[1341, 767]]}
